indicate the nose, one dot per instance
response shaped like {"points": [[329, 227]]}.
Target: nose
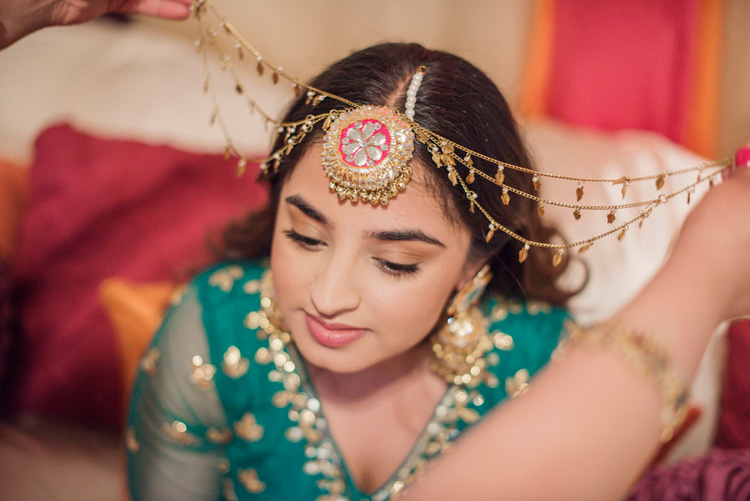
{"points": [[334, 289]]}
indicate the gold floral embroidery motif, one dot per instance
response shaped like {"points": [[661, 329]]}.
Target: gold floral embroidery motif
{"points": [[503, 341], [177, 431], [202, 375], [178, 295], [250, 481], [251, 287], [537, 307], [131, 442], [518, 383], [149, 361], [499, 312], [217, 436], [234, 364], [224, 278], [248, 428]]}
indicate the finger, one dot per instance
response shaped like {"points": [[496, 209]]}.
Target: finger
{"points": [[167, 9], [741, 161]]}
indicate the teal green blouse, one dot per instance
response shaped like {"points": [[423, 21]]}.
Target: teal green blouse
{"points": [[220, 410]]}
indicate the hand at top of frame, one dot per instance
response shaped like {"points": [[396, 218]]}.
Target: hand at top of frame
{"points": [[18, 18]]}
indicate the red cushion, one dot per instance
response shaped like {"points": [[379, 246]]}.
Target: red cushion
{"points": [[734, 414], [6, 335], [101, 208]]}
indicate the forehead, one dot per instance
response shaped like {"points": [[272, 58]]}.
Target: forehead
{"points": [[417, 205]]}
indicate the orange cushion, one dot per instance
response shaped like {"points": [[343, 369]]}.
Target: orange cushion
{"points": [[14, 192]]}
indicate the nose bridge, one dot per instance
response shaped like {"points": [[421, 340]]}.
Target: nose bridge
{"points": [[335, 290]]}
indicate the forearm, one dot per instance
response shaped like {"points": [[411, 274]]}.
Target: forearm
{"points": [[590, 423]]}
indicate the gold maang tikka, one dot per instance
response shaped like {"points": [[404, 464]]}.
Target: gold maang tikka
{"points": [[460, 344], [384, 174]]}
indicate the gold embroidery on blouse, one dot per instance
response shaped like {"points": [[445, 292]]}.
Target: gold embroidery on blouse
{"points": [[518, 383], [224, 278], [150, 360], [202, 375], [217, 436], [537, 307], [250, 481], [177, 431], [223, 466], [131, 442], [228, 490], [251, 286], [234, 364], [178, 295], [248, 428], [499, 312], [503, 341], [514, 307]]}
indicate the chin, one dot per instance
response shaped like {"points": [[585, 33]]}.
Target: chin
{"points": [[346, 360]]}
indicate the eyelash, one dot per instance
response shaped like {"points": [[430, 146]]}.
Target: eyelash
{"points": [[397, 269], [302, 241], [391, 268]]}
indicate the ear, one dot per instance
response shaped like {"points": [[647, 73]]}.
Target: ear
{"points": [[471, 268]]}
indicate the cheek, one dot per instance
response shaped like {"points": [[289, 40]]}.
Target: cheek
{"points": [[289, 272], [408, 314]]}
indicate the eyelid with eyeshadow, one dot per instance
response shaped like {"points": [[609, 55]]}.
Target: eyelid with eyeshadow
{"points": [[389, 267]]}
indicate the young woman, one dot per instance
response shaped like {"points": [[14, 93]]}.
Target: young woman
{"points": [[365, 348]]}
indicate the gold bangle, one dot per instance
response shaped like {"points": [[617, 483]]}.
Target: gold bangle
{"points": [[647, 357]]}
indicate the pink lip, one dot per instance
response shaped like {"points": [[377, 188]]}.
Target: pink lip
{"points": [[330, 334]]}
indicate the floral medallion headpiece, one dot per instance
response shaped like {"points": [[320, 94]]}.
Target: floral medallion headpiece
{"points": [[367, 148], [366, 153]]}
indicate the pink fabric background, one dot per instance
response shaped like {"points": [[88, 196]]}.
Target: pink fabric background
{"points": [[621, 64], [101, 208]]}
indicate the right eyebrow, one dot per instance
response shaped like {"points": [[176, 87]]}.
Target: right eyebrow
{"points": [[308, 209]]}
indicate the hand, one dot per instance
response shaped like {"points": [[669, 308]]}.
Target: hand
{"points": [[18, 18], [67, 12]]}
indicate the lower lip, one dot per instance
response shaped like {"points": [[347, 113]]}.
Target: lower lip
{"points": [[332, 338]]}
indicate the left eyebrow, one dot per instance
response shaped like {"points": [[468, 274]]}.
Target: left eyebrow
{"points": [[404, 236]]}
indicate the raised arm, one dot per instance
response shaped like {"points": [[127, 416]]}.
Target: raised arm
{"points": [[589, 423]]}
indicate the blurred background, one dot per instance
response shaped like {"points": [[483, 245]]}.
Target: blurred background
{"points": [[112, 180]]}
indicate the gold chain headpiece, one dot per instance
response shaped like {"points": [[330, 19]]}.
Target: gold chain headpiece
{"points": [[367, 148]]}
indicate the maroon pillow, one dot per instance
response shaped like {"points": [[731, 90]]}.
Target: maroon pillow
{"points": [[99, 208], [719, 474], [6, 335], [733, 429]]}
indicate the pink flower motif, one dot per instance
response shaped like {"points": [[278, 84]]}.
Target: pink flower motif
{"points": [[364, 144]]}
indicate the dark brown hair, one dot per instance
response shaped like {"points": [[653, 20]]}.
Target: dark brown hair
{"points": [[457, 101]]}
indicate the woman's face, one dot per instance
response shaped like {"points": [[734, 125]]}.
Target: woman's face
{"points": [[359, 284]]}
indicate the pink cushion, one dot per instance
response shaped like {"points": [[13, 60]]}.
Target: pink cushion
{"points": [[101, 208], [624, 64]]}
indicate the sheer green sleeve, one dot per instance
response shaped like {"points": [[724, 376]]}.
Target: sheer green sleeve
{"points": [[177, 425]]}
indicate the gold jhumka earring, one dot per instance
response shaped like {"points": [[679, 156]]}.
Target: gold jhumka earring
{"points": [[460, 345]]}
